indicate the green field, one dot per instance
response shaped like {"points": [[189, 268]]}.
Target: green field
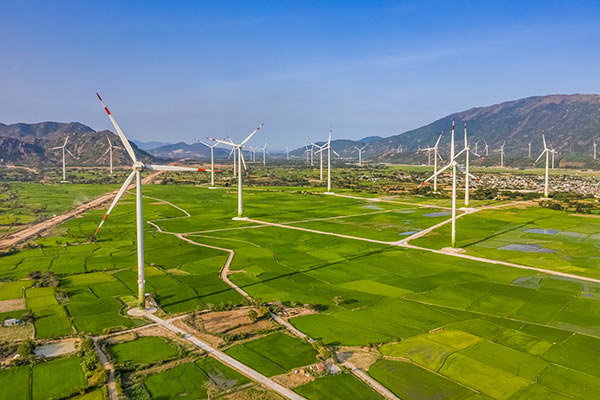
{"points": [[185, 380], [55, 379], [274, 354], [462, 328], [144, 350], [337, 387]]}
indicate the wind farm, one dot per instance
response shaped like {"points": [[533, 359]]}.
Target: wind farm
{"points": [[408, 222]]}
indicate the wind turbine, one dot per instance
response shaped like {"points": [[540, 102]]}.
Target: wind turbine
{"points": [[329, 150], [320, 151], [212, 161], [454, 165], [360, 149], [546, 151], [138, 167], [264, 151], [306, 151], [64, 149], [486, 148], [238, 147], [594, 149], [109, 151], [399, 149], [467, 178], [287, 153], [529, 153], [501, 150], [476, 152]]}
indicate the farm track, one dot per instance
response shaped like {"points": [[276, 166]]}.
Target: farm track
{"points": [[376, 386], [106, 364], [32, 230]]}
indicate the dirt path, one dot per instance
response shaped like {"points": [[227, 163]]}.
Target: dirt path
{"points": [[106, 364], [228, 360], [32, 230]]}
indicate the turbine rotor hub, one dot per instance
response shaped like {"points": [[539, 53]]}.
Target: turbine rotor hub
{"points": [[138, 166]]}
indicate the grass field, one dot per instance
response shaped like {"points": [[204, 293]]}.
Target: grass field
{"points": [[568, 243], [274, 354], [144, 350], [337, 387], [55, 379], [185, 380], [462, 324]]}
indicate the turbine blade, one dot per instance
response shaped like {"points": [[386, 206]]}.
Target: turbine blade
{"points": [[56, 148], [243, 161], [175, 168], [538, 159], [70, 153], [66, 140], [438, 141], [116, 199], [544, 139], [470, 175], [109, 143], [252, 134], [107, 150], [222, 141], [439, 171], [119, 131], [335, 152]]}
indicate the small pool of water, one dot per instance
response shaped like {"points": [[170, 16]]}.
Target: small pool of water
{"points": [[372, 207], [408, 233], [543, 231], [527, 248], [572, 234], [437, 214], [404, 211]]}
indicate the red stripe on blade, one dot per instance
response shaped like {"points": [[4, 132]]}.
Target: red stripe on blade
{"points": [[106, 108]]}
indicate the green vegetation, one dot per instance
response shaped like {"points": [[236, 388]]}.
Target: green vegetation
{"points": [[183, 380], [469, 329], [267, 357], [337, 387], [15, 383], [144, 350]]}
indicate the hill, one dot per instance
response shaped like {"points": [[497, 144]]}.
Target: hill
{"points": [[570, 124], [181, 150], [30, 144]]}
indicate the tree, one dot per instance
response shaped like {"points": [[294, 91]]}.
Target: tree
{"points": [[338, 300], [253, 315]]}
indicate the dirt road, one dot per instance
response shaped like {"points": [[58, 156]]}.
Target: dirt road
{"points": [[33, 230]]}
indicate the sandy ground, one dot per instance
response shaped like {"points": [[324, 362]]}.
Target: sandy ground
{"points": [[32, 230], [57, 348], [12, 305], [15, 333]]}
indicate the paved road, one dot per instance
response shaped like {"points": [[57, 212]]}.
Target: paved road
{"points": [[230, 361], [366, 378]]}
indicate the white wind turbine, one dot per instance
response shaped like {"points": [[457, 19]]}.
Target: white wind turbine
{"points": [[486, 148], [212, 161], [454, 165], [399, 149], [594, 149], [501, 150], [238, 148], [327, 146], [546, 152], [264, 151], [360, 149], [468, 176], [64, 149], [529, 152], [287, 153], [110, 154], [320, 151], [138, 167], [435, 164]]}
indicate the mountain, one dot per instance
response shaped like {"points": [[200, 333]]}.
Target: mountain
{"points": [[570, 124], [149, 145], [31, 144], [181, 150], [369, 139]]}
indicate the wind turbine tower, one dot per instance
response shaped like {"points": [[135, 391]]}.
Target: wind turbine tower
{"points": [[110, 153], [64, 149], [212, 161], [546, 152], [138, 167], [238, 148], [360, 149]]}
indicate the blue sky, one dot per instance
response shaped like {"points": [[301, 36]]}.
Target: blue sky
{"points": [[175, 70]]}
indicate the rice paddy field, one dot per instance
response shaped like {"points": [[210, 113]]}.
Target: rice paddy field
{"points": [[444, 327], [55, 379]]}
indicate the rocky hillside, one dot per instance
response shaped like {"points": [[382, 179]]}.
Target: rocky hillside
{"points": [[30, 144]]}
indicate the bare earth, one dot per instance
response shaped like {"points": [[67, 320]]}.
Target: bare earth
{"points": [[32, 230], [12, 305]]}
